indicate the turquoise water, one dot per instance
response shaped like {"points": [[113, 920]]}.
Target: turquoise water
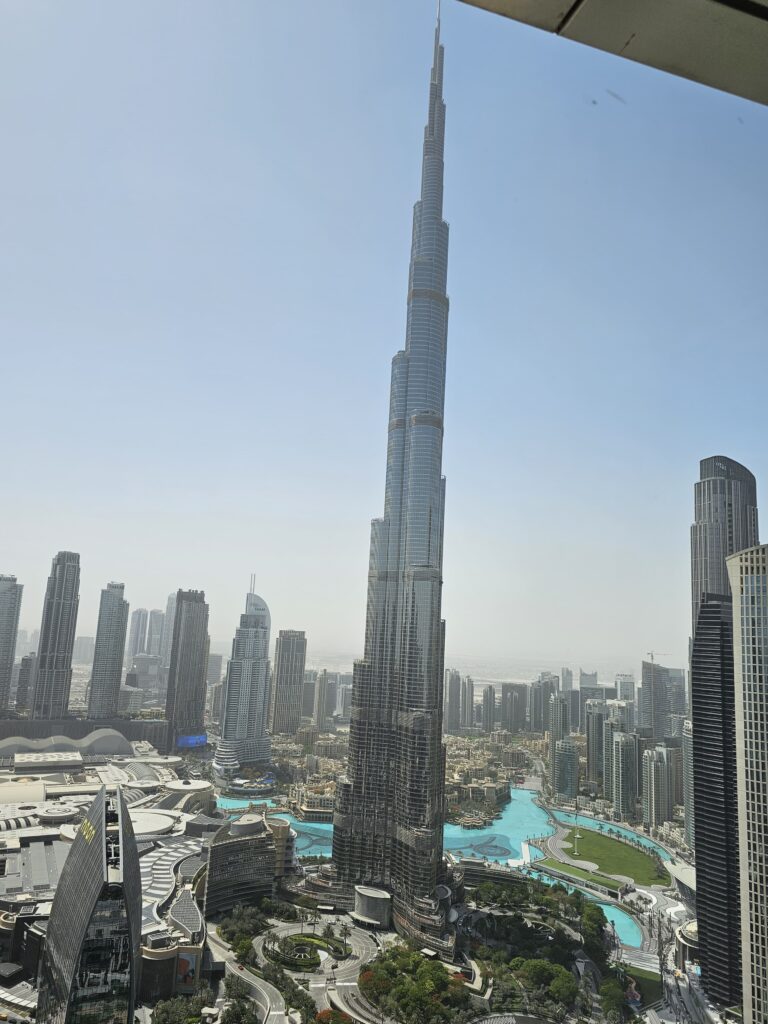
{"points": [[521, 819], [238, 802], [569, 818]]}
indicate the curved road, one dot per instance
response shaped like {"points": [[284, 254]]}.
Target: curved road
{"points": [[266, 996], [332, 987]]}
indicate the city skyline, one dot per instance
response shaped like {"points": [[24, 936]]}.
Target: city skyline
{"points": [[511, 206]]}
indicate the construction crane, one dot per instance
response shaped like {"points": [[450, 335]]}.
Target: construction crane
{"points": [[652, 654]]}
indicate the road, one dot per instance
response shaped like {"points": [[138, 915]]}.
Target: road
{"points": [[328, 986], [266, 996]]}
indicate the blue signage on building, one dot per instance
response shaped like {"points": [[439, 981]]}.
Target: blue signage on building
{"points": [[192, 741]]}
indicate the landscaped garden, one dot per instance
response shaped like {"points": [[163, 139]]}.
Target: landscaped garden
{"points": [[302, 951], [580, 874], [407, 987], [614, 857]]}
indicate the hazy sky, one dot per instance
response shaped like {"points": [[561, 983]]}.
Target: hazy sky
{"points": [[205, 218]]}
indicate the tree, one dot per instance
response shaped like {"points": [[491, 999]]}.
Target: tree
{"points": [[328, 932], [563, 988], [236, 988], [612, 996], [345, 931]]}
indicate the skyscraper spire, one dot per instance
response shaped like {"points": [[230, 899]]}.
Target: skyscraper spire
{"points": [[388, 824]]}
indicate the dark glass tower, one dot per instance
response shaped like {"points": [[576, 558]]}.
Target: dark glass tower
{"points": [[108, 652], [388, 825], [185, 697], [57, 637], [88, 974], [715, 800]]}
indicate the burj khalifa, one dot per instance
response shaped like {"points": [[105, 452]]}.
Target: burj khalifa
{"points": [[388, 822]]}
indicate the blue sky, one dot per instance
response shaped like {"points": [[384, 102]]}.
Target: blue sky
{"points": [[205, 219]]}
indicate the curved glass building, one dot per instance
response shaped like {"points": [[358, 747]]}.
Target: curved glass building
{"points": [[388, 823], [88, 973]]}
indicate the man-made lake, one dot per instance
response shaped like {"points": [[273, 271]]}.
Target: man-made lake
{"points": [[501, 841]]}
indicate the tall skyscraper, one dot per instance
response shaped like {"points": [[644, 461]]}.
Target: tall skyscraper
{"points": [[566, 776], [137, 637], [452, 717], [321, 700], [594, 717], [566, 679], [388, 824], [89, 970], [25, 685], [108, 654], [725, 521], [715, 800], [624, 767], [154, 631], [588, 692], [245, 697], [625, 686], [82, 650], [655, 703], [514, 704], [467, 702], [688, 805], [288, 682], [559, 728], [587, 678], [166, 640], [53, 677], [10, 606], [748, 576], [489, 708], [185, 697], [658, 786]]}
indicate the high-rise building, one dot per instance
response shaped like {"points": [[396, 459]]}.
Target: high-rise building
{"points": [[241, 864], [388, 824], [587, 692], [514, 705], [215, 669], [715, 818], [185, 696], [624, 767], [467, 702], [656, 698], [489, 709], [725, 521], [166, 639], [559, 728], [10, 606], [155, 632], [245, 697], [566, 780], [550, 683], [658, 787], [566, 679], [104, 692], [288, 682], [594, 711], [609, 728], [82, 650], [625, 686], [321, 700], [452, 717], [89, 970], [748, 576], [587, 678], [137, 637], [25, 685], [53, 677], [688, 782]]}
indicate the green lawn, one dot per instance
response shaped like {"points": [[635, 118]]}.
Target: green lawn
{"points": [[616, 858], [648, 984], [578, 873]]}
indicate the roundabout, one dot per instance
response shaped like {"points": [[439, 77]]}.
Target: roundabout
{"points": [[301, 951]]}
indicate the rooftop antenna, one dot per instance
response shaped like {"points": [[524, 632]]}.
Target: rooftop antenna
{"points": [[253, 583]]}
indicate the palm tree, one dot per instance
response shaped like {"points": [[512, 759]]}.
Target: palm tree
{"points": [[315, 918], [345, 931]]}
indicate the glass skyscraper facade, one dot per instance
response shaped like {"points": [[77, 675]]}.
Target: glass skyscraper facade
{"points": [[53, 679], [108, 653], [88, 973], [725, 521], [388, 824]]}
